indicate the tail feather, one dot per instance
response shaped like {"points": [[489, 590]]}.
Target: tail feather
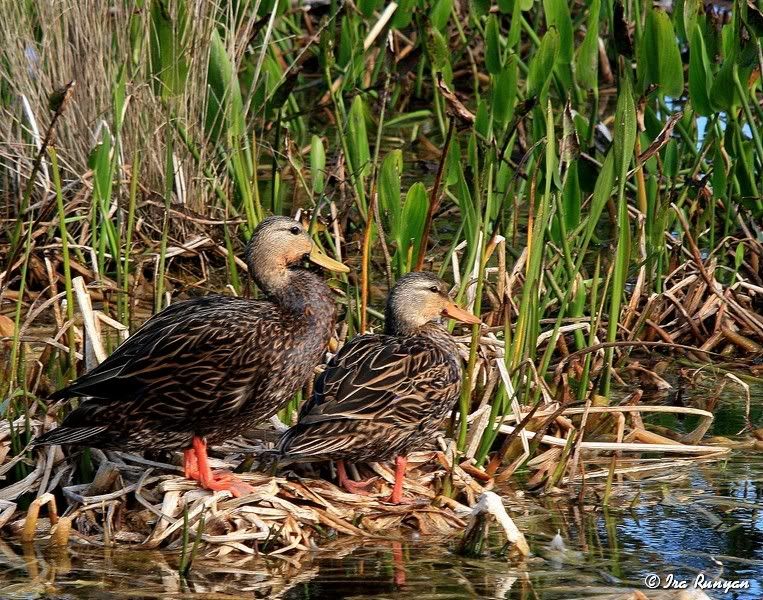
{"points": [[61, 394], [68, 435]]}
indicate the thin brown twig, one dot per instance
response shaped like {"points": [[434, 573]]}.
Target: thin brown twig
{"points": [[434, 198]]}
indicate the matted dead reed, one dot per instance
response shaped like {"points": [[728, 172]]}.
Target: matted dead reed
{"points": [[136, 501]]}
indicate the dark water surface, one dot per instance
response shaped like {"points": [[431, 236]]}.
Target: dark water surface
{"points": [[689, 519]]}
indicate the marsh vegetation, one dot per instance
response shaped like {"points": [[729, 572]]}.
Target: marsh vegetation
{"points": [[586, 174]]}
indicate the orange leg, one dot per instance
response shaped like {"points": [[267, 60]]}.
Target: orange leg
{"points": [[397, 491], [354, 487], [196, 466]]}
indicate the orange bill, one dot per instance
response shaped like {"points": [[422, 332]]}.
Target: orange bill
{"points": [[459, 314]]}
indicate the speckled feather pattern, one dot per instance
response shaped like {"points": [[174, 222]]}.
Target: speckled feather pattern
{"points": [[379, 397], [210, 367]]}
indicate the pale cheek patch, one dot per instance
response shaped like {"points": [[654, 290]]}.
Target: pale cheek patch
{"points": [[433, 308]]}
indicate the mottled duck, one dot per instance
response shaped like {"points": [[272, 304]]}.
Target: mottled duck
{"points": [[384, 395], [207, 369]]}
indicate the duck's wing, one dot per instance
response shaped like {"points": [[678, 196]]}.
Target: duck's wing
{"points": [[189, 355], [375, 382]]}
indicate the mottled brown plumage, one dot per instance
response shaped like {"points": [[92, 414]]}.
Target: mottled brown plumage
{"points": [[384, 395], [212, 367]]}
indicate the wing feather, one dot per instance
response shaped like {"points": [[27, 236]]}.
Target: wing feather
{"points": [[171, 367], [376, 388]]}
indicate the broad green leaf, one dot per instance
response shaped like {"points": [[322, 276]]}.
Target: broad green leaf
{"points": [[670, 160], [439, 54], [515, 30], [587, 60], [736, 56], [317, 165], [348, 42], [482, 120], [659, 57], [739, 255], [453, 163], [691, 11], [552, 173], [413, 216], [168, 58], [700, 75], [558, 16], [461, 193], [406, 119], [505, 91], [625, 128], [440, 14], [225, 107], [492, 46], [367, 7], [360, 155], [480, 7], [389, 192], [723, 95], [572, 198], [404, 13], [100, 163], [120, 100], [542, 65], [602, 192]]}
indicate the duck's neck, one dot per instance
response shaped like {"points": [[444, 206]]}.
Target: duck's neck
{"points": [[302, 294], [431, 330]]}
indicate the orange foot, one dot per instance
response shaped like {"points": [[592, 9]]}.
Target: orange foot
{"points": [[227, 482], [196, 467], [359, 487], [354, 487]]}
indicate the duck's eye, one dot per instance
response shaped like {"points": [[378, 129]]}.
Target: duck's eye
{"points": [[434, 289], [295, 230]]}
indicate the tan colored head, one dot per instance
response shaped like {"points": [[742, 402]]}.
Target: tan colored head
{"points": [[279, 244], [418, 298]]}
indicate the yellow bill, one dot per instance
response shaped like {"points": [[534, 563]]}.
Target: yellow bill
{"points": [[320, 259], [459, 314]]}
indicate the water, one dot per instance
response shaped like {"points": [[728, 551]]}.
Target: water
{"points": [[704, 517]]}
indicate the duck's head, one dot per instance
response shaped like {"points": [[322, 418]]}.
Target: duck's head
{"points": [[278, 246], [419, 298]]}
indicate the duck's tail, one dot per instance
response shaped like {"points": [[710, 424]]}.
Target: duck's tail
{"points": [[69, 436]]}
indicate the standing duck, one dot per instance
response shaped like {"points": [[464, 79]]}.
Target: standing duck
{"points": [[384, 395], [208, 369]]}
